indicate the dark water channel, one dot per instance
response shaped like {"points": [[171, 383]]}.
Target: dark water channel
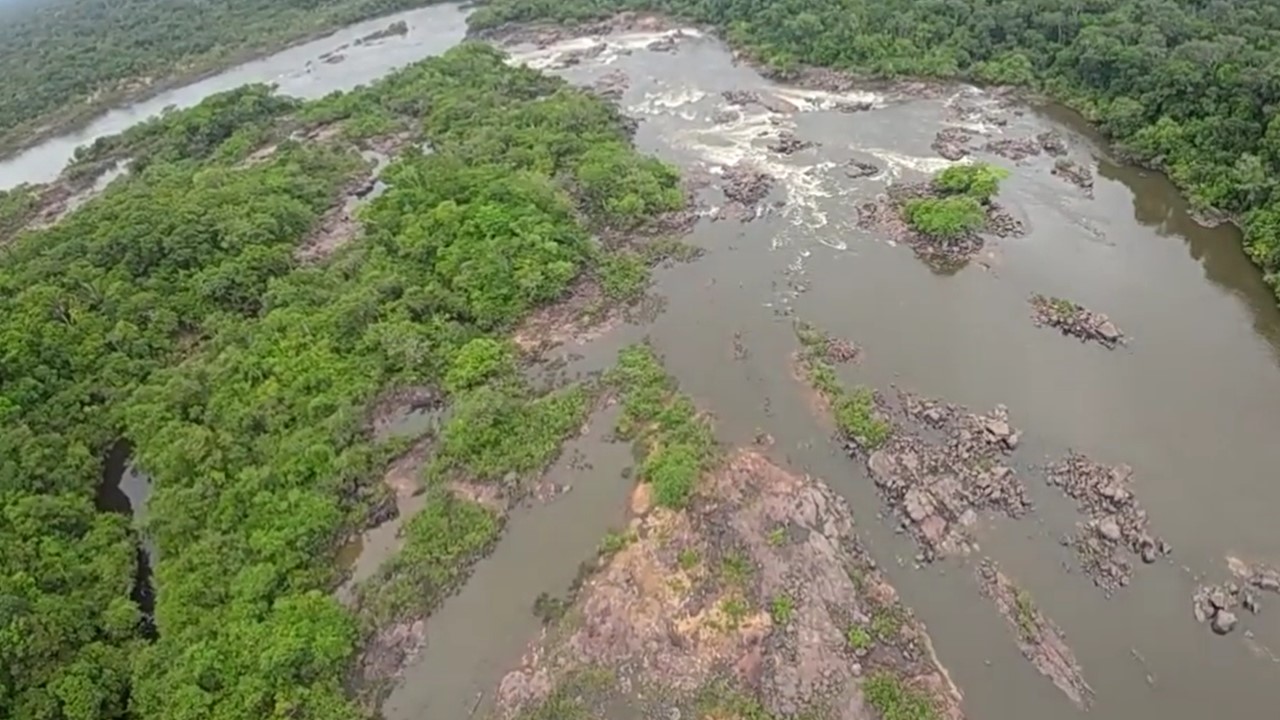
{"points": [[125, 490]]}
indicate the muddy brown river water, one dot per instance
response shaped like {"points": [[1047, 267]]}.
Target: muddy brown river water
{"points": [[1190, 402]]}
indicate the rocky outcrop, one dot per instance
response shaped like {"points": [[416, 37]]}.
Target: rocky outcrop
{"points": [[1116, 523], [952, 143], [761, 590], [745, 186], [1052, 142], [787, 143], [1075, 320], [943, 465], [1041, 641], [1076, 174], [612, 85], [855, 169], [1015, 149]]}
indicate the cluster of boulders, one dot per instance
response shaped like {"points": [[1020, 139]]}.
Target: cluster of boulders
{"points": [[1015, 149], [1074, 173], [611, 85], [1216, 605], [1074, 320], [1116, 521], [952, 143], [745, 186], [1052, 142], [941, 466], [855, 169], [787, 143]]}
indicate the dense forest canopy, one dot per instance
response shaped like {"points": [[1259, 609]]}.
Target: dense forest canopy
{"points": [[173, 311], [1186, 86], [59, 58]]}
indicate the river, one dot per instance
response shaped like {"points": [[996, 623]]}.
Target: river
{"points": [[296, 71], [1189, 403]]}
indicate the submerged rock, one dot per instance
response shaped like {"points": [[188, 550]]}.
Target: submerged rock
{"points": [[1040, 640], [1075, 320]]}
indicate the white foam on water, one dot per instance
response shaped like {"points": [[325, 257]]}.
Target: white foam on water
{"points": [[896, 162], [664, 102], [818, 100], [548, 57]]}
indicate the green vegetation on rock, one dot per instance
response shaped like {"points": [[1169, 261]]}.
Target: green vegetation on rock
{"points": [[173, 311], [673, 438], [959, 208], [854, 408], [894, 700], [1187, 88]]}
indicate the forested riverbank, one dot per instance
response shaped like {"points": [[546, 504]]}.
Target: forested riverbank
{"points": [[176, 311], [1186, 89], [65, 61]]}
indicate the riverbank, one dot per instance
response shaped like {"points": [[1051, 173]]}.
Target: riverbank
{"points": [[291, 33]]}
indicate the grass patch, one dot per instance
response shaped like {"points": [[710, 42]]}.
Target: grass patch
{"points": [[735, 610], [886, 622], [688, 559], [782, 608], [572, 697], [893, 700], [736, 569], [858, 638], [778, 537], [673, 441], [615, 542], [720, 700], [855, 412], [1025, 614], [441, 543]]}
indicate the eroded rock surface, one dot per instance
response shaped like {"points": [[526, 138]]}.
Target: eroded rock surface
{"points": [[1075, 320], [1040, 640], [942, 465], [787, 143], [760, 586], [1116, 521]]}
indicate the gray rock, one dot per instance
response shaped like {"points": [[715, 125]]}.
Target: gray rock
{"points": [[1224, 621], [1109, 529], [1108, 331]]}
